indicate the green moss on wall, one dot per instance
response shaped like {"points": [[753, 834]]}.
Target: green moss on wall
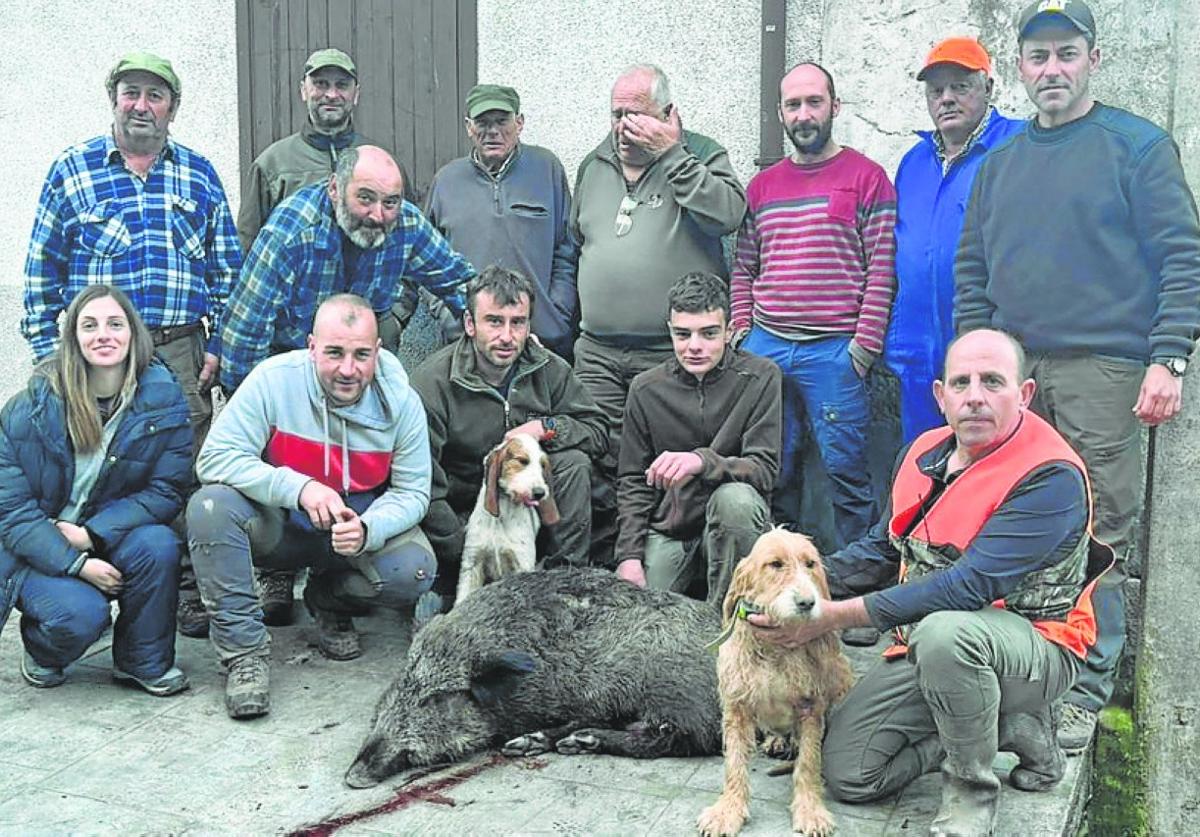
{"points": [[1118, 806]]}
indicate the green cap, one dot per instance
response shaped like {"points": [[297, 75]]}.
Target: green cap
{"points": [[330, 58], [149, 62], [485, 97]]}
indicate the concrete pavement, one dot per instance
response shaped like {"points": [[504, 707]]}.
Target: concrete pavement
{"points": [[92, 757]]}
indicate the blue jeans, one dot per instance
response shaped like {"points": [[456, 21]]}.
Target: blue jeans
{"points": [[61, 616], [819, 382], [229, 535]]}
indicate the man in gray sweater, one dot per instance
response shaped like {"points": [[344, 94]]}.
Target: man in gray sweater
{"points": [[1081, 240], [507, 204]]}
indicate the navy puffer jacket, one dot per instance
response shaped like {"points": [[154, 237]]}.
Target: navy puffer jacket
{"points": [[145, 474]]}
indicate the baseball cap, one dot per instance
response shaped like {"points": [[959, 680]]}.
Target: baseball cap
{"points": [[485, 97], [967, 53], [1074, 12], [330, 58], [150, 63]]}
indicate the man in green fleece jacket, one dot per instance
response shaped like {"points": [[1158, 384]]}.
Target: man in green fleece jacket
{"points": [[651, 204], [1081, 240], [489, 384]]}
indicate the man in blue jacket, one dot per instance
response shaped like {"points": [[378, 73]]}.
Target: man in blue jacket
{"points": [[932, 186], [1081, 238]]}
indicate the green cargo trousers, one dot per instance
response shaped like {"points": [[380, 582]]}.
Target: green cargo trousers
{"points": [[966, 664]]}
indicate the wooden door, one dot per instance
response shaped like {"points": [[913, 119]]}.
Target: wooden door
{"points": [[416, 61]]}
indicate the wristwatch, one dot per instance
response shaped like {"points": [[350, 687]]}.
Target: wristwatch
{"points": [[1177, 366], [549, 428]]}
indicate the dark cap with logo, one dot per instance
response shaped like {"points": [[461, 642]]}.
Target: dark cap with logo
{"points": [[485, 97], [1074, 13]]}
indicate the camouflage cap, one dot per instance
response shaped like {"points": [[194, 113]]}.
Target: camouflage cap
{"points": [[150, 63]]}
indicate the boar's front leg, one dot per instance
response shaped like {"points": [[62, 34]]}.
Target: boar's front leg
{"points": [[539, 741], [639, 740]]}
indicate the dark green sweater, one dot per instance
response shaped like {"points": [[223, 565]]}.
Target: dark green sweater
{"points": [[1084, 238]]}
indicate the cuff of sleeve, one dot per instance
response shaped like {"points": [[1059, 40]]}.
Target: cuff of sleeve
{"points": [[874, 615], [77, 564], [673, 156], [867, 359]]}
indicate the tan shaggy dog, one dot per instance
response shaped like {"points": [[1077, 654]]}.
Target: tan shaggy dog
{"points": [[778, 690]]}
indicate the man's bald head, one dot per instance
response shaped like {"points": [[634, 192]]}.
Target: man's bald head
{"points": [[991, 337], [367, 192], [344, 347]]}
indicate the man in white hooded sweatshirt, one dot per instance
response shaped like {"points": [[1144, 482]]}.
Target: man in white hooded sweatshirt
{"points": [[320, 459]]}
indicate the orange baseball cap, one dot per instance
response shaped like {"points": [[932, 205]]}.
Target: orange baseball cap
{"points": [[964, 52]]}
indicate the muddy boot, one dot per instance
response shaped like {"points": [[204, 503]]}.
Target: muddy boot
{"points": [[1076, 729], [275, 594], [191, 618], [970, 788], [1033, 736], [248, 687]]}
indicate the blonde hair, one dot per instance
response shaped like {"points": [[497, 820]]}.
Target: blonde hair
{"points": [[67, 369]]}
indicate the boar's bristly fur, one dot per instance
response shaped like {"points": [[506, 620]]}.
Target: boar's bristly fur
{"points": [[572, 658]]}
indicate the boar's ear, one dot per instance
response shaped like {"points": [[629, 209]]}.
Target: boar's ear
{"points": [[497, 676]]}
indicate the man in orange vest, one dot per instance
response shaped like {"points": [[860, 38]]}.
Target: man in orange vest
{"points": [[989, 533]]}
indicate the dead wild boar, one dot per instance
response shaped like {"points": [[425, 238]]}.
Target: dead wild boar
{"points": [[571, 660]]}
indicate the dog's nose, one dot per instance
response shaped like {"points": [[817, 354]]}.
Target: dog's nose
{"points": [[538, 493], [803, 603]]}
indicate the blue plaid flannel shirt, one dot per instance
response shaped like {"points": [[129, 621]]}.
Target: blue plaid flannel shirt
{"points": [[169, 241], [296, 262]]}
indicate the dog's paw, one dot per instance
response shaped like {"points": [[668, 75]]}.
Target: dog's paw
{"points": [[530, 744], [720, 820], [578, 743], [778, 746], [812, 821]]}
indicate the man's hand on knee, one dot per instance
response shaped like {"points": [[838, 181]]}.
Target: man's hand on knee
{"points": [[323, 504], [632, 571]]}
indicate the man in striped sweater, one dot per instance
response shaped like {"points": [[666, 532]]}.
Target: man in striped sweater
{"points": [[812, 288]]}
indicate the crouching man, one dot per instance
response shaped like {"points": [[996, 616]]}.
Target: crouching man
{"points": [[320, 460], [700, 451], [494, 382], [990, 530]]}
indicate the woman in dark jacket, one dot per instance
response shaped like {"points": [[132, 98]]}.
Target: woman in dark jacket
{"points": [[94, 460]]}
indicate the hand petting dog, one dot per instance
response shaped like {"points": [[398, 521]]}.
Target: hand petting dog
{"points": [[834, 616]]}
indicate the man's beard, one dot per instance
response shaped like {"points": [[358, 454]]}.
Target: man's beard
{"points": [[362, 233], [824, 132]]}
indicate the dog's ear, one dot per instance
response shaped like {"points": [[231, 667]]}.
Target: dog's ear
{"points": [[547, 507], [491, 477]]}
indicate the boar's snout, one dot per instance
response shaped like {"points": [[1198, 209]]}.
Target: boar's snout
{"points": [[374, 763]]}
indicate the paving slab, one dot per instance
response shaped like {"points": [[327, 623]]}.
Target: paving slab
{"points": [[92, 757]]}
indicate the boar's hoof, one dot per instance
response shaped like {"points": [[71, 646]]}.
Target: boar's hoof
{"points": [[578, 743], [531, 744]]}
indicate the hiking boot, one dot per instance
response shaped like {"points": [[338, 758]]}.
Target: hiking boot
{"points": [[860, 637], [248, 687], [192, 618], [171, 682], [336, 637], [1032, 736], [275, 593], [1076, 728], [38, 676]]}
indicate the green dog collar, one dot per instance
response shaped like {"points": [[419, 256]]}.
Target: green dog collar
{"points": [[743, 609]]}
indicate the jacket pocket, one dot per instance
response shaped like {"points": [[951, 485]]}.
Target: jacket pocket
{"points": [[103, 232], [530, 210], [187, 223]]}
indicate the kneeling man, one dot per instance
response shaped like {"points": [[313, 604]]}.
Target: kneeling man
{"points": [[990, 532], [700, 450], [494, 382], [321, 460]]}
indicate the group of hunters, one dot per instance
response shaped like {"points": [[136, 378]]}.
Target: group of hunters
{"points": [[1033, 285]]}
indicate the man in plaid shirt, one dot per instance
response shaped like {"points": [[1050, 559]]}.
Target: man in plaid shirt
{"points": [[136, 210], [354, 234]]}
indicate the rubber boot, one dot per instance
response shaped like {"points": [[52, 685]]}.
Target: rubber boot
{"points": [[1033, 736], [970, 788]]}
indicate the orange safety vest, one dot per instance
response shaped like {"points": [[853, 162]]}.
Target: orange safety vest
{"points": [[963, 508]]}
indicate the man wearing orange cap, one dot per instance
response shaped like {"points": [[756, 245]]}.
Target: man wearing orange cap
{"points": [[932, 186]]}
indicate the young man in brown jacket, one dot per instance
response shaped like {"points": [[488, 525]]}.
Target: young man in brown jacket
{"points": [[700, 451]]}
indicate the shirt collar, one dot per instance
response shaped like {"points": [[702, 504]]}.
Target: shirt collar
{"points": [[940, 145], [504, 167], [112, 153]]}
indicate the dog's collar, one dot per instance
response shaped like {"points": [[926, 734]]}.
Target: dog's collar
{"points": [[743, 609]]}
